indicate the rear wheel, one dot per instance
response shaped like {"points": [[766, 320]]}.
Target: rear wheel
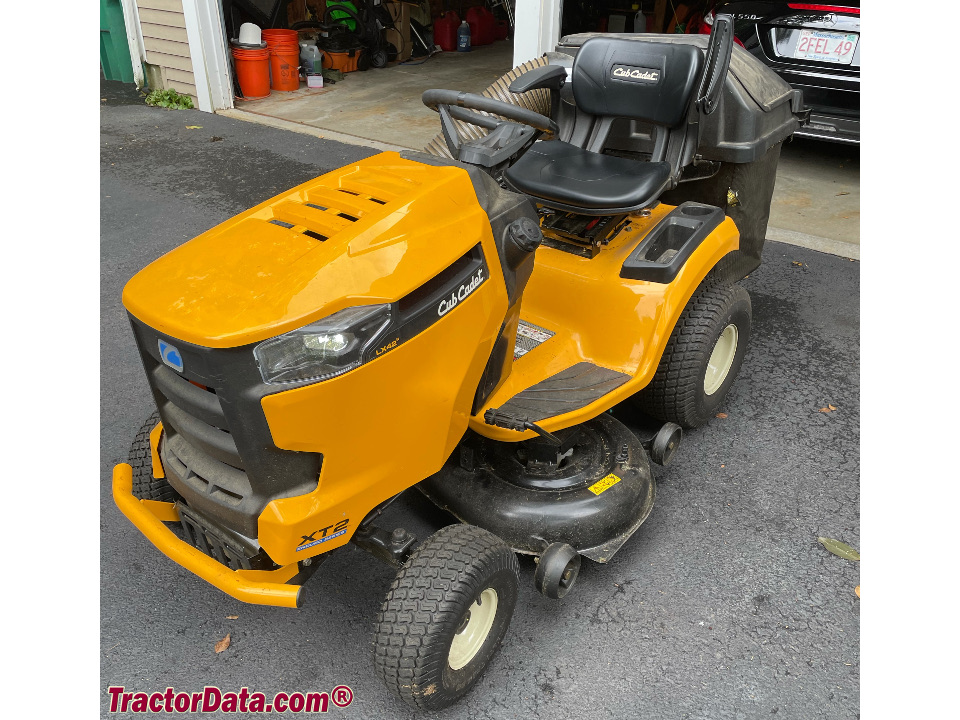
{"points": [[445, 616], [702, 357], [145, 485]]}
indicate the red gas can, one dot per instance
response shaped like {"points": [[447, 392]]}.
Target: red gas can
{"points": [[482, 23], [445, 31]]}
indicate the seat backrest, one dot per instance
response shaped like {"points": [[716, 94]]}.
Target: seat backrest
{"points": [[649, 81]]}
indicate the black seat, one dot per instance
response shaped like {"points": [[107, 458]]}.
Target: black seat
{"points": [[562, 174], [652, 82]]}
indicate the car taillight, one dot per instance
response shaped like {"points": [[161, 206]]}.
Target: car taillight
{"points": [[824, 8], [706, 25]]}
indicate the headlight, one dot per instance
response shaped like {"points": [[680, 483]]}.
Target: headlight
{"points": [[325, 349]]}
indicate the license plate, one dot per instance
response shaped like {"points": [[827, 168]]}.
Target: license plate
{"points": [[826, 46]]}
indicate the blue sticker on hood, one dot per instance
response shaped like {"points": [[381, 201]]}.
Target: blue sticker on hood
{"points": [[170, 356]]}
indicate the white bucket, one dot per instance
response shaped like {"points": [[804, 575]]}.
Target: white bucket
{"points": [[249, 34]]}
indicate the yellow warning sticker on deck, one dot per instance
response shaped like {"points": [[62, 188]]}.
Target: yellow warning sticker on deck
{"points": [[608, 482]]}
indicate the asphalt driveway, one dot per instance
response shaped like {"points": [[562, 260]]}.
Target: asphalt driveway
{"points": [[723, 605]]}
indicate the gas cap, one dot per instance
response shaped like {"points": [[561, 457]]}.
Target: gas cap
{"points": [[525, 234]]}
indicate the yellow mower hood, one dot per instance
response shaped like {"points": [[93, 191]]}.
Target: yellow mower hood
{"points": [[366, 233]]}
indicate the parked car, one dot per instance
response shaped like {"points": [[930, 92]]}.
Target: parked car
{"points": [[814, 47]]}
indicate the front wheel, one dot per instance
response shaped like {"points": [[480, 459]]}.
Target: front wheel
{"points": [[702, 357], [445, 616], [145, 485]]}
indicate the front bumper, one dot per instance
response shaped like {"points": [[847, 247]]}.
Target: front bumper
{"points": [[259, 587]]}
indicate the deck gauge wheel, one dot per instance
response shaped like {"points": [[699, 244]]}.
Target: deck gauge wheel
{"points": [[665, 443], [557, 570]]}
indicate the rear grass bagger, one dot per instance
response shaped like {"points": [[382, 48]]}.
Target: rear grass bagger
{"points": [[461, 325]]}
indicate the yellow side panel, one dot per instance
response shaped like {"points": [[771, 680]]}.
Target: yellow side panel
{"points": [[601, 318], [382, 427]]}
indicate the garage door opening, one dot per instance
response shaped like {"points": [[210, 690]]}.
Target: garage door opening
{"points": [[381, 103]]}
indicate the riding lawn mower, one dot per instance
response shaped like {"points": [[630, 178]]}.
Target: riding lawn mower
{"points": [[461, 322]]}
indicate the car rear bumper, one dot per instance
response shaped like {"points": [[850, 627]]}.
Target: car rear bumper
{"points": [[260, 587], [832, 128]]}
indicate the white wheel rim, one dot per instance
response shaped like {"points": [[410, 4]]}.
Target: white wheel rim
{"points": [[721, 359], [467, 643]]}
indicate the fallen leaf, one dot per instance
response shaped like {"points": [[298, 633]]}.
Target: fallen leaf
{"points": [[839, 549], [722, 415], [798, 264], [857, 590], [222, 645], [828, 408], [842, 193], [233, 617], [194, 127]]}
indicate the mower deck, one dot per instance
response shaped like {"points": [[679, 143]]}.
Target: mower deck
{"points": [[592, 493]]}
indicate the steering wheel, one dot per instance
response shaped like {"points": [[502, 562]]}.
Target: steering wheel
{"points": [[456, 104]]}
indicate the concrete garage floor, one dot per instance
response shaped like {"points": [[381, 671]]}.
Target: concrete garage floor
{"points": [[384, 105], [816, 203]]}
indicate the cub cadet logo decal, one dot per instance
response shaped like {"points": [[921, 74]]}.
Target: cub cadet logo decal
{"points": [[461, 294], [170, 356], [388, 347], [648, 76], [310, 540]]}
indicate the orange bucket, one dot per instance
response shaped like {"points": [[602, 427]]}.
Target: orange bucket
{"points": [[272, 36], [253, 71], [284, 66]]}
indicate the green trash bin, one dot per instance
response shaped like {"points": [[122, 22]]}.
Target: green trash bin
{"points": [[114, 50]]}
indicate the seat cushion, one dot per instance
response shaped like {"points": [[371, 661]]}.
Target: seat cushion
{"points": [[561, 174]]}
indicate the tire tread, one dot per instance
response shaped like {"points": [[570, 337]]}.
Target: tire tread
{"points": [[145, 485], [672, 395], [439, 578]]}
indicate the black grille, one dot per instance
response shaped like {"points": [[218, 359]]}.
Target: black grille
{"points": [[217, 449], [221, 544]]}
